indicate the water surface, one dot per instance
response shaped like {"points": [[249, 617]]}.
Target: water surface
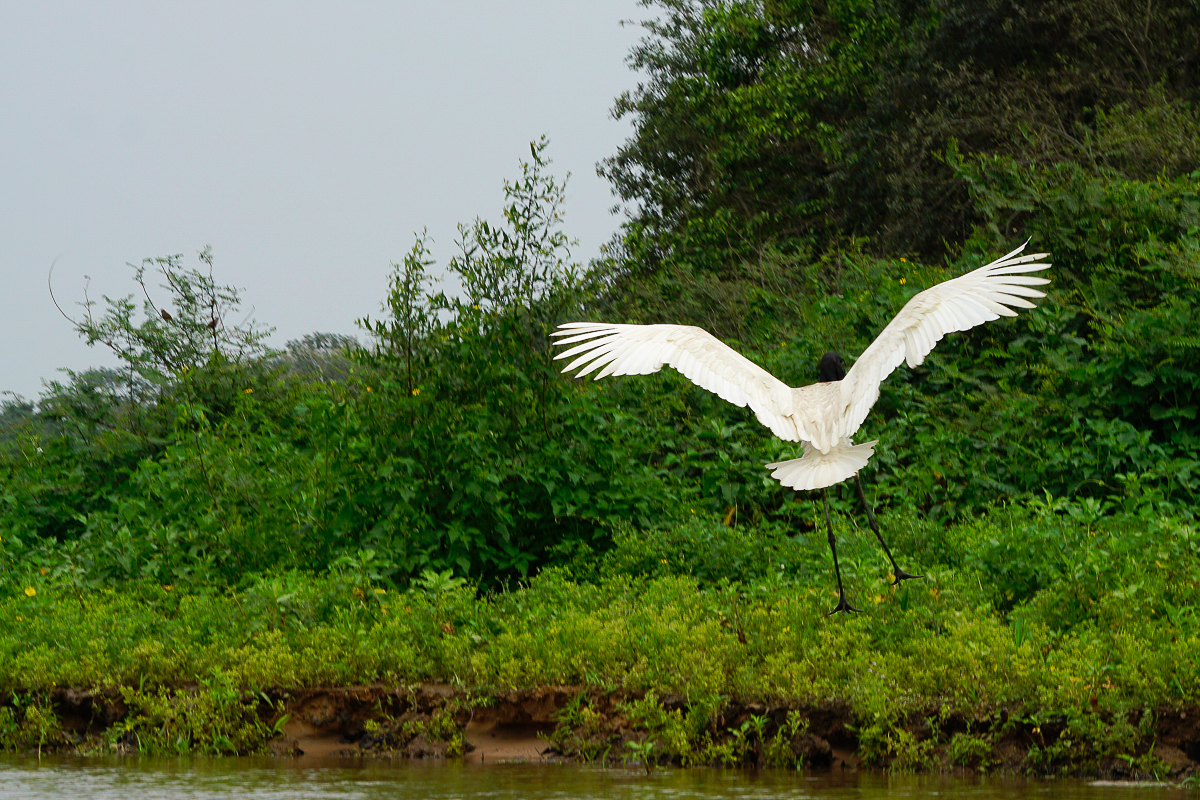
{"points": [[226, 778]]}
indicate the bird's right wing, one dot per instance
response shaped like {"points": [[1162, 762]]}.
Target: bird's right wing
{"points": [[958, 304], [701, 357]]}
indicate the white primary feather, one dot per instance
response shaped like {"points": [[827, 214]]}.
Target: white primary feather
{"points": [[825, 415], [958, 304], [697, 354]]}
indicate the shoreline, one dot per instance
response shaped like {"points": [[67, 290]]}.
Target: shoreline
{"points": [[582, 724]]}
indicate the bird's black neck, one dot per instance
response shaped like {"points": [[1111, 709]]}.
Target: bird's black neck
{"points": [[831, 368]]}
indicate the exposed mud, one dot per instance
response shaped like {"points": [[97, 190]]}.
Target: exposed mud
{"points": [[570, 723]]}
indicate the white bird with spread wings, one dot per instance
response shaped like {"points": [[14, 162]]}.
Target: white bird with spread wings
{"points": [[823, 416]]}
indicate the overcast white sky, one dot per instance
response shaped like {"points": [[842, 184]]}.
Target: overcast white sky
{"points": [[305, 142]]}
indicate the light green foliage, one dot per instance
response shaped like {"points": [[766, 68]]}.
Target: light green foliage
{"points": [[653, 734], [678, 735], [942, 644], [439, 727], [707, 549], [643, 752], [778, 751], [967, 749], [29, 724], [215, 718], [580, 731], [898, 748]]}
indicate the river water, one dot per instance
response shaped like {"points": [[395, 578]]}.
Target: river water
{"points": [[226, 778]]}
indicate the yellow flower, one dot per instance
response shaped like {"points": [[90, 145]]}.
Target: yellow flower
{"points": [[904, 261], [30, 591], [247, 391], [368, 388], [903, 281], [476, 307], [416, 392]]}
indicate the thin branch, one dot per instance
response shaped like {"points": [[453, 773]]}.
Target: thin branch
{"points": [[53, 299]]}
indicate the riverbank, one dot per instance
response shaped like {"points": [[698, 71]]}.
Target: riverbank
{"points": [[555, 723], [627, 656]]}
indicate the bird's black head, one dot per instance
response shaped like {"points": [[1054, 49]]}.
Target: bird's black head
{"points": [[831, 368]]}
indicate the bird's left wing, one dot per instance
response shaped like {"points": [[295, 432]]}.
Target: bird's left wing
{"points": [[701, 357], [958, 304]]}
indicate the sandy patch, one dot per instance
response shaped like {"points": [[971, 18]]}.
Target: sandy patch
{"points": [[497, 743]]}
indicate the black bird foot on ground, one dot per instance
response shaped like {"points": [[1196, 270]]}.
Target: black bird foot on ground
{"points": [[844, 607], [901, 575]]}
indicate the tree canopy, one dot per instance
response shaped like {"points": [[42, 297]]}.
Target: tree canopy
{"points": [[776, 124]]}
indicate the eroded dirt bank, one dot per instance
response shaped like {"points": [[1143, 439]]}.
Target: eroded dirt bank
{"points": [[565, 722]]}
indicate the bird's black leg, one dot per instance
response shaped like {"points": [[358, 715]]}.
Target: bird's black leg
{"points": [[842, 605], [900, 574]]}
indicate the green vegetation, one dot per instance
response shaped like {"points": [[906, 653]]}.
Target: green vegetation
{"points": [[1102, 625], [214, 524], [762, 125]]}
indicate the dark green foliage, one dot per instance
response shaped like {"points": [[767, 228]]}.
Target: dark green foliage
{"points": [[454, 444], [485, 459], [181, 369], [777, 124], [1082, 129], [708, 549], [1097, 391], [451, 442]]}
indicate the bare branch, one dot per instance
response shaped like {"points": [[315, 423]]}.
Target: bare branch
{"points": [[53, 299]]}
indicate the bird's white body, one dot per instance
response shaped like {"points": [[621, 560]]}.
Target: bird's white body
{"points": [[822, 416]]}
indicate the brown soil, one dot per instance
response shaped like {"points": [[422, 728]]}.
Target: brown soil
{"points": [[496, 743], [437, 721]]}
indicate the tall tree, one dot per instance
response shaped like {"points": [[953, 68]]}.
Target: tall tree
{"points": [[762, 124]]}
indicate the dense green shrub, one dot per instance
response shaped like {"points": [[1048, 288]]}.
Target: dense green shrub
{"points": [[455, 444]]}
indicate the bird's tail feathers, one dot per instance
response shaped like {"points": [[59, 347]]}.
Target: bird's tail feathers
{"points": [[816, 470]]}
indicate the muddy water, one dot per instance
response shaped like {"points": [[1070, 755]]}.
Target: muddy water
{"points": [[160, 779]]}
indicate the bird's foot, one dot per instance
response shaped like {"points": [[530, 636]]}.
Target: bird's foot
{"points": [[844, 607], [901, 575]]}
